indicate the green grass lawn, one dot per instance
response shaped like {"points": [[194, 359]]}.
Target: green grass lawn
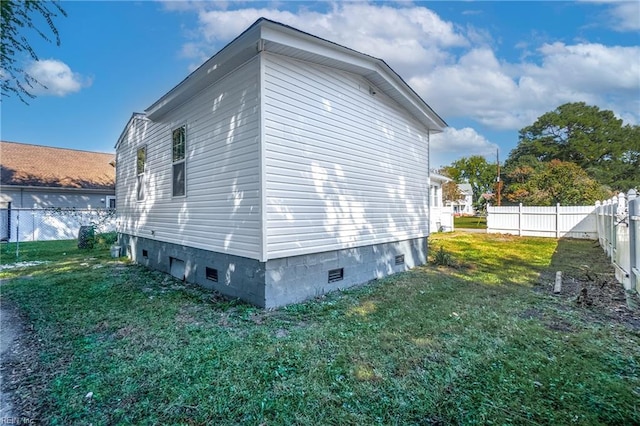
{"points": [[475, 222], [479, 342]]}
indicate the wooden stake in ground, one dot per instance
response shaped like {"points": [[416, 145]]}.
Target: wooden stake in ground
{"points": [[558, 287]]}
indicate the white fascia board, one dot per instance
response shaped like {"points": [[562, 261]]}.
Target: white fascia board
{"points": [[439, 178], [315, 46], [59, 189], [414, 102], [233, 55], [134, 117]]}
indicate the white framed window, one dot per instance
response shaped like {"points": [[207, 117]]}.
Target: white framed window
{"points": [[141, 164], [178, 147]]}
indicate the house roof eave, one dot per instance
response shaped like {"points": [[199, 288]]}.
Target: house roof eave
{"points": [[35, 188], [277, 38]]}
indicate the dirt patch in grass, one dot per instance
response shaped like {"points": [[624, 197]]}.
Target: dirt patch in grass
{"points": [[20, 367], [589, 283]]}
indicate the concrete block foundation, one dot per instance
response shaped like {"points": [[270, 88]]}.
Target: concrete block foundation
{"points": [[277, 282]]}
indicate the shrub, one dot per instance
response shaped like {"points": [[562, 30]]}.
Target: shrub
{"points": [[443, 258], [107, 238]]}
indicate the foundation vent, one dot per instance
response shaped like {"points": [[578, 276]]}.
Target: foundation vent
{"points": [[145, 253], [177, 267], [336, 275], [400, 259], [211, 274]]}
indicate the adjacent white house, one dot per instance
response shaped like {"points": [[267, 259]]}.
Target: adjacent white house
{"points": [[286, 166], [37, 176], [440, 214], [36, 179], [464, 206]]}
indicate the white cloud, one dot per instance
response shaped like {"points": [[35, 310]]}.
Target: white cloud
{"points": [[501, 95], [625, 16], [620, 15], [57, 78], [455, 143], [405, 37]]}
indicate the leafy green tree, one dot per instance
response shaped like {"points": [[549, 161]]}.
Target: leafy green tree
{"points": [[475, 170], [553, 182], [594, 139], [451, 192], [18, 18]]}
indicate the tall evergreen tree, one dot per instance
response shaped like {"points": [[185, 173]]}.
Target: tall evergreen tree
{"points": [[594, 139]]}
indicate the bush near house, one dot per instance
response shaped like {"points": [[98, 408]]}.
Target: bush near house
{"points": [[482, 341]]}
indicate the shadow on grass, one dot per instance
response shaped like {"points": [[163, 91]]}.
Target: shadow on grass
{"points": [[495, 259]]}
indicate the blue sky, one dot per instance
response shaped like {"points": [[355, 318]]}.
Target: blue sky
{"points": [[487, 68]]}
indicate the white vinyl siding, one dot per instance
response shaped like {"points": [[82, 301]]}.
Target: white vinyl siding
{"points": [[344, 168], [222, 210]]}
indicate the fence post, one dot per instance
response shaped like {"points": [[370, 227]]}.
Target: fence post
{"points": [[520, 219], [557, 220], [605, 227], [597, 212], [621, 235], [613, 207], [634, 239]]}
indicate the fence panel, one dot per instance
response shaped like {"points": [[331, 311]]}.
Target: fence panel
{"points": [[440, 219], [56, 224], [615, 223], [536, 221]]}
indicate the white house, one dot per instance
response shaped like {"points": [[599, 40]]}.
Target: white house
{"points": [[286, 166], [440, 214], [464, 206], [36, 179]]}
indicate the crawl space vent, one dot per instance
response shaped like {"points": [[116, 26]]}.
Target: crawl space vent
{"points": [[336, 275], [212, 274], [400, 259]]}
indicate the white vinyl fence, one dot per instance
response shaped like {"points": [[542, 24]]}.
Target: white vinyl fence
{"points": [[52, 224], [440, 219], [615, 223], [618, 226], [555, 222]]}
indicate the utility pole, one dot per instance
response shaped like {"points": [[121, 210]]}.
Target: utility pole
{"points": [[498, 180]]}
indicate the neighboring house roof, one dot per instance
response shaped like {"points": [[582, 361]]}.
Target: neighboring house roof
{"points": [[465, 188], [435, 177], [42, 166], [274, 37]]}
